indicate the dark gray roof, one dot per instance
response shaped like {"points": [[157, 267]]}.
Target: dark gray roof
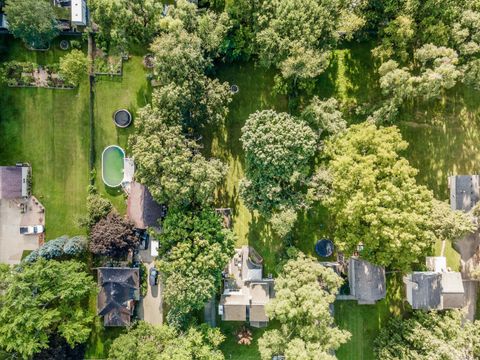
{"points": [[427, 295], [10, 182], [367, 281], [119, 287], [464, 191]]}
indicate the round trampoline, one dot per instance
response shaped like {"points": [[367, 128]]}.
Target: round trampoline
{"points": [[64, 44], [234, 89], [324, 247], [122, 118]]}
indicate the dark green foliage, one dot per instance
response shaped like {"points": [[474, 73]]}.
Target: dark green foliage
{"points": [[62, 247]]}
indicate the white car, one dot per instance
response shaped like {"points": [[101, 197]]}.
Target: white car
{"points": [[31, 230], [154, 248]]}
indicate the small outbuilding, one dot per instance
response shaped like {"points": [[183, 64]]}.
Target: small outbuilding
{"points": [[367, 281], [119, 291], [14, 182], [464, 191], [79, 12]]}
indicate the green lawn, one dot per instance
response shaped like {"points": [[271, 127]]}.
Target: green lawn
{"points": [[130, 92], [49, 130]]}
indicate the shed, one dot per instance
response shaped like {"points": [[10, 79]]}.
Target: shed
{"points": [[367, 281], [464, 191], [79, 12]]}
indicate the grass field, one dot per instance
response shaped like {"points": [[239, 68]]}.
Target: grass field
{"points": [[49, 130]]}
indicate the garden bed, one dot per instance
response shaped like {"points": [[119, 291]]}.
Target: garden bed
{"points": [[27, 74], [111, 65]]}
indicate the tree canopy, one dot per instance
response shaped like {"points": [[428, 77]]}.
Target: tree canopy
{"points": [[32, 21], [148, 342], [43, 298], [74, 66], [194, 250], [375, 198], [277, 160], [113, 236], [304, 292], [170, 165], [429, 335]]}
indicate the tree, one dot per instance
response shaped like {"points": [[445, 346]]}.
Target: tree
{"points": [[292, 37], [325, 115], [148, 342], [32, 21], [44, 298], [448, 224], [186, 96], [74, 67], [375, 198], [113, 236], [59, 349], [277, 160], [429, 335], [170, 165], [194, 249], [304, 292], [97, 208], [62, 247]]}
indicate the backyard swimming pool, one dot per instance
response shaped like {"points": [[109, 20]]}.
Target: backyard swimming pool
{"points": [[113, 165]]}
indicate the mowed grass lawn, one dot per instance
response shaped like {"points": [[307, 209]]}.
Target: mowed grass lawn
{"points": [[130, 92], [49, 130]]}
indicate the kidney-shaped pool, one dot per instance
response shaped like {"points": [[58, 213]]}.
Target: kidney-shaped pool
{"points": [[113, 165]]}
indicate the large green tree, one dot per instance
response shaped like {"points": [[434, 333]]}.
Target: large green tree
{"points": [[170, 165], [74, 67], [304, 292], [278, 149], [296, 36], [33, 21], [148, 342], [429, 335], [43, 298], [375, 199], [194, 250]]}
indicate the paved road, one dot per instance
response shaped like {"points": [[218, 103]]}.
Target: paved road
{"points": [[150, 307]]}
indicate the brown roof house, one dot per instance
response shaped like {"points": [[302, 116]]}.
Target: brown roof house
{"points": [[367, 281], [119, 290], [246, 292], [14, 182], [435, 289], [142, 209], [464, 191]]}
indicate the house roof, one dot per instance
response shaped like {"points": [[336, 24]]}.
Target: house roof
{"points": [[464, 191], [367, 281], [251, 270], [260, 293], [436, 263], [427, 293], [13, 182], [452, 283], [257, 313], [142, 209], [234, 312], [119, 287]]}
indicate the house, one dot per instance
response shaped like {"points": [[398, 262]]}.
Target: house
{"points": [[119, 290], [464, 191], [14, 182], [366, 281], [79, 12], [246, 292], [3, 22], [142, 209], [435, 289]]}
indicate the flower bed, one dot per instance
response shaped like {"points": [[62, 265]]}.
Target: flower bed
{"points": [[26, 74], [108, 65]]}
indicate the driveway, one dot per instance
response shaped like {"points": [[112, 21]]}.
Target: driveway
{"points": [[467, 246], [12, 244], [150, 308]]}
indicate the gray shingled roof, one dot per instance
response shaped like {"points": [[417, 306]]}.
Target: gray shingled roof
{"points": [[142, 209], [429, 291], [367, 281], [10, 182], [464, 191], [118, 287]]}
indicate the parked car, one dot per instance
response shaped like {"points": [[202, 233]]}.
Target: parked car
{"points": [[30, 230], [153, 277]]}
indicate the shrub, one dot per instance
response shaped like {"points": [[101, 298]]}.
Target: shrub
{"points": [[75, 246], [53, 248]]}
